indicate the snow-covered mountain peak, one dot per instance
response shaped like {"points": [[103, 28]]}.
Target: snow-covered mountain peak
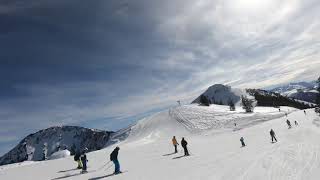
{"points": [[222, 94]]}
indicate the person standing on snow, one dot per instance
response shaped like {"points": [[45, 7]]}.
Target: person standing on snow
{"points": [[288, 123], [114, 159], [305, 113], [77, 158], [84, 160], [273, 135], [184, 144], [175, 144], [296, 123], [242, 142]]}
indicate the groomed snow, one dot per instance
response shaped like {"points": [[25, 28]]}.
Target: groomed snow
{"points": [[216, 153]]}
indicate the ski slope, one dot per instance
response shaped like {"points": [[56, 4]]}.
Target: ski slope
{"points": [[216, 152]]}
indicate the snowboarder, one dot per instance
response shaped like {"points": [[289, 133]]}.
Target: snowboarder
{"points": [[77, 158], [296, 123], [84, 160], [288, 123], [273, 135], [242, 142], [175, 144], [114, 159], [184, 144]]}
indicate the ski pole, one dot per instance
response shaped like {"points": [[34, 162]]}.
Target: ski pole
{"points": [[109, 167], [104, 165]]}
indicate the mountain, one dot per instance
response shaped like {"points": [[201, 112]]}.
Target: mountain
{"points": [[304, 91], [221, 94], [53, 139], [272, 99]]}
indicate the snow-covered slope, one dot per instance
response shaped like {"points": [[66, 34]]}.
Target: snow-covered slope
{"points": [[216, 152], [52, 139], [199, 118], [221, 94]]}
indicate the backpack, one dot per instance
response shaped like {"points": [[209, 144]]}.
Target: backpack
{"points": [[76, 157]]}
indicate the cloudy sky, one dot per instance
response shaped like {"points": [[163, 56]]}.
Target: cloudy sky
{"points": [[106, 63]]}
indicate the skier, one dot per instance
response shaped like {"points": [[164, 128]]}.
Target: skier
{"points": [[289, 123], [242, 142], [296, 123], [84, 160], [279, 110], [184, 144], [77, 158], [175, 144], [305, 113], [114, 159], [273, 135]]}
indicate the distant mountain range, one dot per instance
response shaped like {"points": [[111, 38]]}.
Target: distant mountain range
{"points": [[299, 95], [304, 91]]}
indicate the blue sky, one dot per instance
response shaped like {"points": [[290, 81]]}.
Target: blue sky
{"points": [[105, 64]]}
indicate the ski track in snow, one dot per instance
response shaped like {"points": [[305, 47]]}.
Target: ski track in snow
{"points": [[214, 144]]}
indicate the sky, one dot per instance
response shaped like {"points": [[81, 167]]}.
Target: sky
{"points": [[107, 63]]}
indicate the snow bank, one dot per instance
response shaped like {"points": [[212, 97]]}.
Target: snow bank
{"points": [[60, 154]]}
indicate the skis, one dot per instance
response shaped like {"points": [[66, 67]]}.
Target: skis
{"points": [[106, 176], [83, 172], [119, 173]]}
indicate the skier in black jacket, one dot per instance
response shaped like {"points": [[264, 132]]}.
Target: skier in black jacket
{"points": [[84, 161], [184, 144], [242, 142], [273, 135], [77, 158], [114, 159], [288, 123]]}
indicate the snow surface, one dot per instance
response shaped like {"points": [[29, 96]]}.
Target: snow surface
{"points": [[60, 154], [214, 145]]}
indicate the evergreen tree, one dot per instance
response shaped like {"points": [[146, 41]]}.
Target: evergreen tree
{"points": [[317, 109], [318, 96], [204, 100], [73, 149], [247, 104], [231, 105], [213, 101], [44, 151]]}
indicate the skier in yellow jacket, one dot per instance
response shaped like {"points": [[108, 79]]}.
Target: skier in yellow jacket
{"points": [[175, 144]]}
